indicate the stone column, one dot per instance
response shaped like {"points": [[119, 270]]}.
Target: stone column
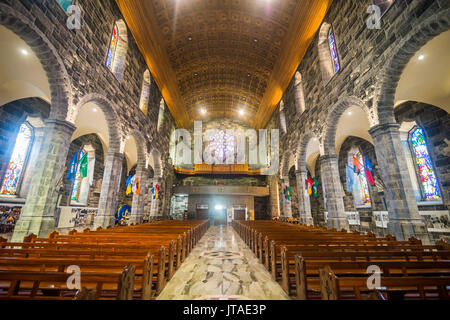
{"points": [[137, 208], [38, 214], [304, 204], [286, 204], [156, 203], [107, 204], [333, 192], [404, 218]]}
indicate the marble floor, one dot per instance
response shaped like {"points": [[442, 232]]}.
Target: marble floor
{"points": [[222, 267]]}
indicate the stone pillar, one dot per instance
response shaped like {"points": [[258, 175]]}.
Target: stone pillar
{"points": [[156, 203], [286, 204], [38, 214], [107, 204], [33, 160], [333, 192], [137, 208], [304, 204], [404, 218]]}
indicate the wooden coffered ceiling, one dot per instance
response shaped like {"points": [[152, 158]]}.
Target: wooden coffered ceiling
{"points": [[223, 55]]}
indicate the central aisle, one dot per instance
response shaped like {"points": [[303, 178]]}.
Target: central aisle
{"points": [[222, 267]]}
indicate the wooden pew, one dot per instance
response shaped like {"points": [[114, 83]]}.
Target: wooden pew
{"points": [[155, 249]]}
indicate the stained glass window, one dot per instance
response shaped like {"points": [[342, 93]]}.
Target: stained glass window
{"points": [[364, 194], [16, 165], [221, 145], [112, 47], [384, 5], [357, 179], [65, 4], [430, 188], [77, 182], [160, 115], [333, 51]]}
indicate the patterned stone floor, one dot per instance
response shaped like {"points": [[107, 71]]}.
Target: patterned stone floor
{"points": [[222, 267]]}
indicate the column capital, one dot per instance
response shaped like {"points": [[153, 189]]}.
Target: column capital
{"points": [[301, 171], [328, 157], [118, 155], [60, 123], [375, 131]]}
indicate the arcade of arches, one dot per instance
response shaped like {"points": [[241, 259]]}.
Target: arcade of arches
{"points": [[390, 115], [98, 124]]}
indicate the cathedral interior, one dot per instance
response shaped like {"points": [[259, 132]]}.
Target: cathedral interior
{"points": [[224, 142]]}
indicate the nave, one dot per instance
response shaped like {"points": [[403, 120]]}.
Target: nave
{"points": [[250, 260], [222, 267]]}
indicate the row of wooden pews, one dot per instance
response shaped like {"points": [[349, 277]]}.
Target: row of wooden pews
{"points": [[125, 263], [316, 263]]}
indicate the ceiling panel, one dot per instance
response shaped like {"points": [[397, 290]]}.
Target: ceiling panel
{"points": [[223, 55]]}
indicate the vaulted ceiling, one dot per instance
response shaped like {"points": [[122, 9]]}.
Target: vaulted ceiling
{"points": [[223, 55]]}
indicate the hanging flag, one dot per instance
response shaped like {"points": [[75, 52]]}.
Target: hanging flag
{"points": [[128, 181], [84, 166], [129, 185], [315, 187], [369, 171], [155, 190], [309, 186], [135, 185], [73, 167], [356, 166], [350, 177]]}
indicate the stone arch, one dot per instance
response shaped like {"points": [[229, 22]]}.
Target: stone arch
{"points": [[59, 80], [111, 116], [141, 148], [333, 117], [304, 140], [286, 164], [154, 160], [401, 54]]}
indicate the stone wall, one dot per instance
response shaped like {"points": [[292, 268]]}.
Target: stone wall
{"points": [[74, 61], [363, 53]]}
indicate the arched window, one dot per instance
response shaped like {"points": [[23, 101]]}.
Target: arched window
{"points": [[299, 94], [83, 176], [283, 125], [161, 114], [328, 54], [117, 50], [16, 167], [145, 93], [359, 183], [65, 4], [333, 51], [427, 177]]}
